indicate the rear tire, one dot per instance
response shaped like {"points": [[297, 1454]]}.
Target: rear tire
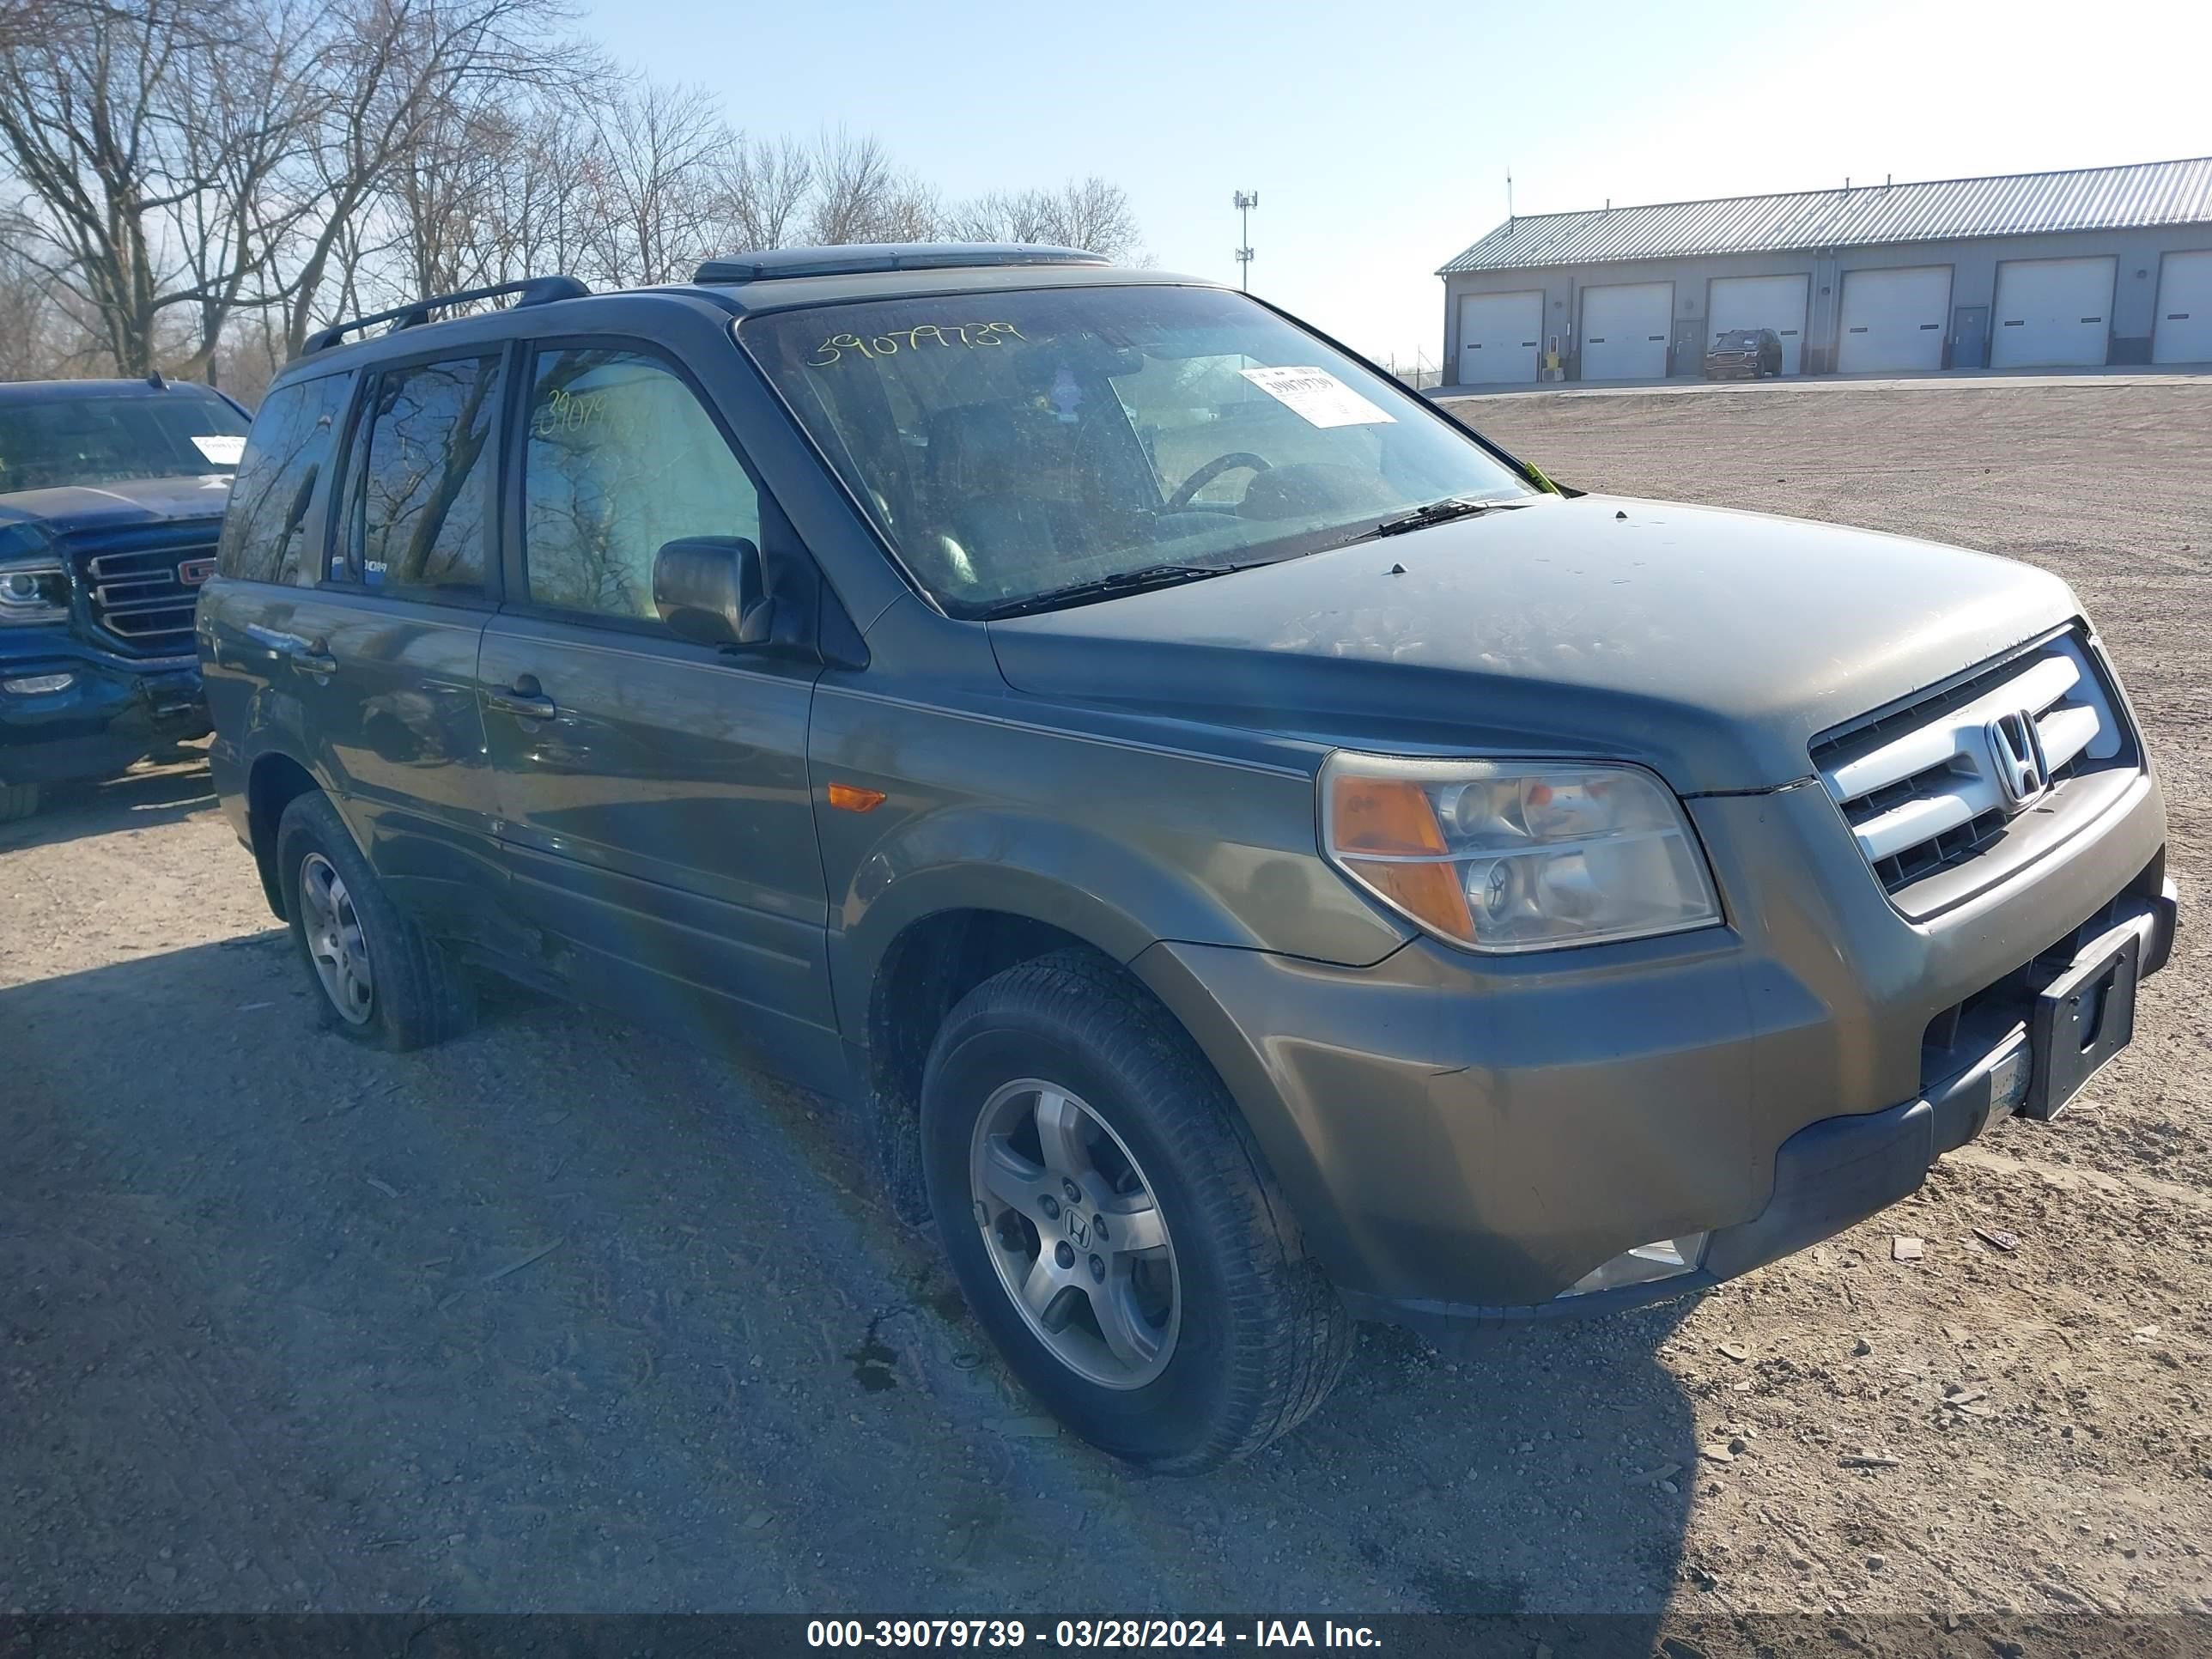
{"points": [[17, 801], [378, 979], [1223, 1335]]}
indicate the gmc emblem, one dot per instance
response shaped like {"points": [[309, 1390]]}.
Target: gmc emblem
{"points": [[192, 572]]}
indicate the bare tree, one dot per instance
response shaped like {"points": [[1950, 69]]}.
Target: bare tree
{"points": [[521, 210], [540, 219], [396, 72], [1089, 213], [662, 156], [862, 196], [39, 338], [766, 192], [195, 183], [127, 125], [248, 100], [24, 20]]}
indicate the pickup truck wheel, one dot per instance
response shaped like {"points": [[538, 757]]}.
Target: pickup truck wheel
{"points": [[17, 801], [1109, 1225], [378, 979]]}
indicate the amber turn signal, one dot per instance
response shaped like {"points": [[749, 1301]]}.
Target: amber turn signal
{"points": [[850, 798], [1392, 818]]}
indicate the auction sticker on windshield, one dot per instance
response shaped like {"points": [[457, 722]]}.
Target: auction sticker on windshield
{"points": [[1318, 396], [221, 448]]}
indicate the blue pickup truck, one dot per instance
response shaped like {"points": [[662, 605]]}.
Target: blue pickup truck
{"points": [[112, 495]]}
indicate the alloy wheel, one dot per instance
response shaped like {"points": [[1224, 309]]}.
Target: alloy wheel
{"points": [[336, 942], [1074, 1228]]}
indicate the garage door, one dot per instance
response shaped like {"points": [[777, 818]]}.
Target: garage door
{"points": [[1893, 319], [1774, 302], [1498, 337], [2051, 311], [1624, 330], [2182, 331]]}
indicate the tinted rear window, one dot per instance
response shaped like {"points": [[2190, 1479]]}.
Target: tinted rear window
{"points": [[418, 501], [265, 531]]}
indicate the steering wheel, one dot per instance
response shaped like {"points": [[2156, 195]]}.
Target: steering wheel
{"points": [[1206, 474]]}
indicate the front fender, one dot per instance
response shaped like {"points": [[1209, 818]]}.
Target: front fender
{"points": [[1118, 832], [1105, 893]]}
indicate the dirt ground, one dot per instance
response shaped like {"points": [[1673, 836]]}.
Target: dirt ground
{"points": [[561, 1317]]}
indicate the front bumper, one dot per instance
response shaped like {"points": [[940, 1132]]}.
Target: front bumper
{"points": [[114, 711], [1462, 1138]]}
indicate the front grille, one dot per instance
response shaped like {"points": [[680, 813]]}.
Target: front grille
{"points": [[134, 589], [1936, 781]]}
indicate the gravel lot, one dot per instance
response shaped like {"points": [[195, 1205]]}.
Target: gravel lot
{"points": [[562, 1317]]}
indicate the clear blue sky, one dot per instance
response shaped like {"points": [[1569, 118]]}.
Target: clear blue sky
{"points": [[1379, 133]]}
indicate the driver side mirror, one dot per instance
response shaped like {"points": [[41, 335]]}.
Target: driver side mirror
{"points": [[709, 590]]}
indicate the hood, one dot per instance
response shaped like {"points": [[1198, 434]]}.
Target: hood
{"points": [[71, 507], [1708, 644]]}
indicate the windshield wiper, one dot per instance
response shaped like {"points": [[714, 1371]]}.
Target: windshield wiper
{"points": [[1122, 581], [1442, 512]]}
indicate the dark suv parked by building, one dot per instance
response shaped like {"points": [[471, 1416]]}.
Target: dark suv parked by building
{"points": [[1253, 854], [1752, 353], [112, 492]]}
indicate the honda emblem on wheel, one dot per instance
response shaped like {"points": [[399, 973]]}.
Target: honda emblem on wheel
{"points": [[2016, 755]]}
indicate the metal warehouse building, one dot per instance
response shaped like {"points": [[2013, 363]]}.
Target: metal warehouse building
{"points": [[2100, 265]]}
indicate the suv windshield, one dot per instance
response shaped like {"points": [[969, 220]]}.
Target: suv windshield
{"points": [[1014, 444], [52, 442], [1738, 339]]}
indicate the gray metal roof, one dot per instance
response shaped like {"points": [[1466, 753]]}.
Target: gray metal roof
{"points": [[2013, 205]]}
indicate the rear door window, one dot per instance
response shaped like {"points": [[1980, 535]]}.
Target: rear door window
{"points": [[418, 494], [265, 528]]}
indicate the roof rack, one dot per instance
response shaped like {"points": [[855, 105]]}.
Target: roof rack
{"points": [[856, 257], [534, 291]]}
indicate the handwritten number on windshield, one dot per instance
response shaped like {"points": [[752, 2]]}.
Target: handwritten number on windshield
{"points": [[971, 335]]}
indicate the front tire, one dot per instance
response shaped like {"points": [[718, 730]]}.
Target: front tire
{"points": [[378, 979], [1109, 1225], [17, 801]]}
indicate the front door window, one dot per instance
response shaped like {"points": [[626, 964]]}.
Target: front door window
{"points": [[621, 459]]}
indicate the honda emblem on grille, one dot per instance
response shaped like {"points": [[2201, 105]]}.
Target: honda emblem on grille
{"points": [[2016, 755], [192, 572]]}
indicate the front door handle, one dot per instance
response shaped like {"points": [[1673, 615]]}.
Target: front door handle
{"points": [[524, 700]]}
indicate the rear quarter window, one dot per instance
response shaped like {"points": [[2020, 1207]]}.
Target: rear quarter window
{"points": [[265, 537]]}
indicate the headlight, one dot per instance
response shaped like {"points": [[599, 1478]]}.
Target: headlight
{"points": [[1516, 856], [33, 591]]}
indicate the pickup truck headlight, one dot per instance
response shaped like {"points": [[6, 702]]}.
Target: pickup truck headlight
{"points": [[1516, 856], [35, 590]]}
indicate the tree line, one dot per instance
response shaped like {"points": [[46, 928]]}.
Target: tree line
{"points": [[195, 185]]}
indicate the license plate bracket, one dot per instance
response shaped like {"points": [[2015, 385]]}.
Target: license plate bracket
{"points": [[2082, 1019]]}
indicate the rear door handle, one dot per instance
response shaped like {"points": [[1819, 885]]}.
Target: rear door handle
{"points": [[309, 656], [525, 700]]}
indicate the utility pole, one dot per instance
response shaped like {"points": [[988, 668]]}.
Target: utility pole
{"points": [[1246, 201]]}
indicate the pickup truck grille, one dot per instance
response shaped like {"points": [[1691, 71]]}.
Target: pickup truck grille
{"points": [[134, 584], [1940, 779]]}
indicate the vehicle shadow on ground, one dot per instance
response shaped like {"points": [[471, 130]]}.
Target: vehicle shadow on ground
{"points": [[141, 799], [563, 1315]]}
